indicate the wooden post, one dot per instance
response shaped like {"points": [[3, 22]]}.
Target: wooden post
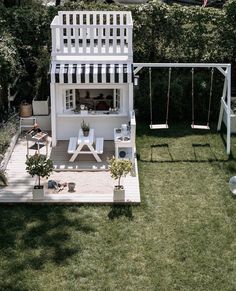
{"points": [[228, 109]]}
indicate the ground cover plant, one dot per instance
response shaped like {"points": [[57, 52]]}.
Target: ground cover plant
{"points": [[7, 131], [181, 237]]}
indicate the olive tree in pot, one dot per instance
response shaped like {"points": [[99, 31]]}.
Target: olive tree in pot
{"points": [[40, 166], [119, 168]]}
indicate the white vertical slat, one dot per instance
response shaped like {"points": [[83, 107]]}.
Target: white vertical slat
{"points": [[103, 73], [70, 70], [95, 73], [74, 32], [68, 32], [129, 41], [62, 47], [91, 29], [81, 31], [78, 74], [107, 39], [100, 34], [129, 72], [84, 37], [122, 40], [114, 48], [61, 78], [121, 18], [52, 73], [86, 18], [93, 34], [87, 66], [112, 73], [76, 41]]}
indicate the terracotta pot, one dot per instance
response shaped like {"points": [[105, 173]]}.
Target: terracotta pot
{"points": [[25, 109]]}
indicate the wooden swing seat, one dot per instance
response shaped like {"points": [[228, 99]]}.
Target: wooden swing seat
{"points": [[159, 126], [194, 126]]}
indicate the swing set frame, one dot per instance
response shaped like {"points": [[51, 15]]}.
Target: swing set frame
{"points": [[225, 105]]}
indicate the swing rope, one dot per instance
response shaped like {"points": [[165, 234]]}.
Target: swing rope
{"points": [[168, 97], [159, 126], [209, 104]]}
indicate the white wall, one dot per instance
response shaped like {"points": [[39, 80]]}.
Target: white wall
{"points": [[44, 121], [103, 125]]}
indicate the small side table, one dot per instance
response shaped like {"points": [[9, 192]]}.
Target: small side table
{"points": [[40, 137]]}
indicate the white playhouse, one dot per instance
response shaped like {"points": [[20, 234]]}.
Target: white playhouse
{"points": [[92, 74], [92, 77]]}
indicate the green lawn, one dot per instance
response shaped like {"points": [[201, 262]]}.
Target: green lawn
{"points": [[181, 237]]}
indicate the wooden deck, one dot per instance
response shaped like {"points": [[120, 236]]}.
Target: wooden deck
{"points": [[21, 183], [86, 162]]}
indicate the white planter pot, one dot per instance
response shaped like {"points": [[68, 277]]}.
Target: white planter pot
{"points": [[118, 195], [40, 107], [38, 193]]}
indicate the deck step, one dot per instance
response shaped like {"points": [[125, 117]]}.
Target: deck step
{"points": [[72, 145], [99, 145]]}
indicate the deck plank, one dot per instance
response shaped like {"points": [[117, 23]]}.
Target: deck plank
{"points": [[21, 183]]}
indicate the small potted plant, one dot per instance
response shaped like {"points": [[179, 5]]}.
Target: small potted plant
{"points": [[83, 109], [40, 166], [119, 168], [85, 128]]}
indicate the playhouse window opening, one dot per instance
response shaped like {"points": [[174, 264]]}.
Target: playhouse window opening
{"points": [[92, 99]]}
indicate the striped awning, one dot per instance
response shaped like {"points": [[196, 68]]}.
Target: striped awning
{"points": [[91, 73]]}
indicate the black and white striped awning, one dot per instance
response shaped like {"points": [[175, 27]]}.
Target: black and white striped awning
{"points": [[91, 73]]}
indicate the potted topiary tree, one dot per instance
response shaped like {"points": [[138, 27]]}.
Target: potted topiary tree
{"points": [[119, 168], [85, 128], [40, 166]]}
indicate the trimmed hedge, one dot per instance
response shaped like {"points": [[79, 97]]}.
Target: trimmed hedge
{"points": [[162, 33]]}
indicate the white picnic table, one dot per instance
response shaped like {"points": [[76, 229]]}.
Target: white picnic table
{"points": [[85, 141]]}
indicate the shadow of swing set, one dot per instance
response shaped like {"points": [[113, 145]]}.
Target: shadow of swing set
{"points": [[196, 147], [225, 69]]}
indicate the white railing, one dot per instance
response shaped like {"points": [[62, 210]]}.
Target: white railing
{"points": [[91, 32]]}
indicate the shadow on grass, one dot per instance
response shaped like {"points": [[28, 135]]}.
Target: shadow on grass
{"points": [[31, 236], [118, 211]]}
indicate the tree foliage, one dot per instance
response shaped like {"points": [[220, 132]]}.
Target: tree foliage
{"points": [[39, 165], [162, 33], [119, 168]]}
